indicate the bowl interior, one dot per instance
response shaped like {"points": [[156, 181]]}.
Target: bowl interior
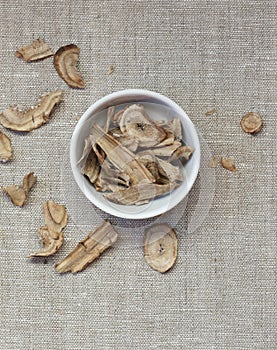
{"points": [[158, 108]]}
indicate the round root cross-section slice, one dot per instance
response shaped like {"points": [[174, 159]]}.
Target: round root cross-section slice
{"points": [[160, 247], [251, 123], [65, 61]]}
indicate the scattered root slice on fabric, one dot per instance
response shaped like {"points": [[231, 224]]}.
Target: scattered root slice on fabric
{"points": [[229, 164], [160, 247], [211, 112], [37, 50], [251, 123], [19, 193], [111, 69], [55, 217], [213, 162], [65, 61], [90, 248], [33, 117], [6, 151]]}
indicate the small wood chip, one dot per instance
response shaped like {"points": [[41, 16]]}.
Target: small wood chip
{"points": [[5, 148], [211, 112], [111, 69], [88, 249], [213, 162], [19, 194], [160, 247], [251, 123], [229, 164], [37, 50]]}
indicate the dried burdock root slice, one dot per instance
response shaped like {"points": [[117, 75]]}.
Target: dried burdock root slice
{"points": [[19, 194], [251, 123], [166, 151], [173, 126], [88, 249], [213, 162], [137, 194], [5, 148], [135, 122], [183, 153], [228, 163], [123, 159], [65, 61], [35, 51], [33, 117], [110, 115], [160, 247], [91, 168], [52, 242], [55, 216]]}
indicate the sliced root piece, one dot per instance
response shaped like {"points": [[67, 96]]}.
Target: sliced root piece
{"points": [[229, 164], [111, 69], [123, 159], [88, 249], [91, 168], [160, 247], [55, 216], [33, 117], [213, 162], [35, 51], [5, 148], [135, 122], [50, 244], [65, 60], [137, 194], [251, 123], [19, 194], [183, 153], [110, 115], [166, 151], [172, 172]]}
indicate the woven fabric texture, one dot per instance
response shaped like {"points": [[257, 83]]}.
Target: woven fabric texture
{"points": [[221, 294]]}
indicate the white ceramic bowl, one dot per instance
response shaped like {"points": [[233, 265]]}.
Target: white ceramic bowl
{"points": [[159, 205]]}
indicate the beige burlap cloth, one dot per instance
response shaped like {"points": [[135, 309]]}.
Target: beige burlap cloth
{"points": [[221, 294]]}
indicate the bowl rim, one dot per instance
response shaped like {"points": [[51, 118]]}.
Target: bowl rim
{"points": [[101, 104]]}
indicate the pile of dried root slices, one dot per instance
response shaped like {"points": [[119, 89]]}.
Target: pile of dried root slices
{"points": [[133, 158]]}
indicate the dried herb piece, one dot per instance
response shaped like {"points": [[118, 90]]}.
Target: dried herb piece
{"points": [[88, 249], [110, 115], [55, 216], [121, 157], [213, 162], [37, 50], [210, 112], [136, 194], [183, 152], [251, 123], [50, 244], [229, 164], [33, 117], [136, 123], [65, 61], [5, 148], [19, 194], [111, 69], [160, 247], [52, 237]]}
